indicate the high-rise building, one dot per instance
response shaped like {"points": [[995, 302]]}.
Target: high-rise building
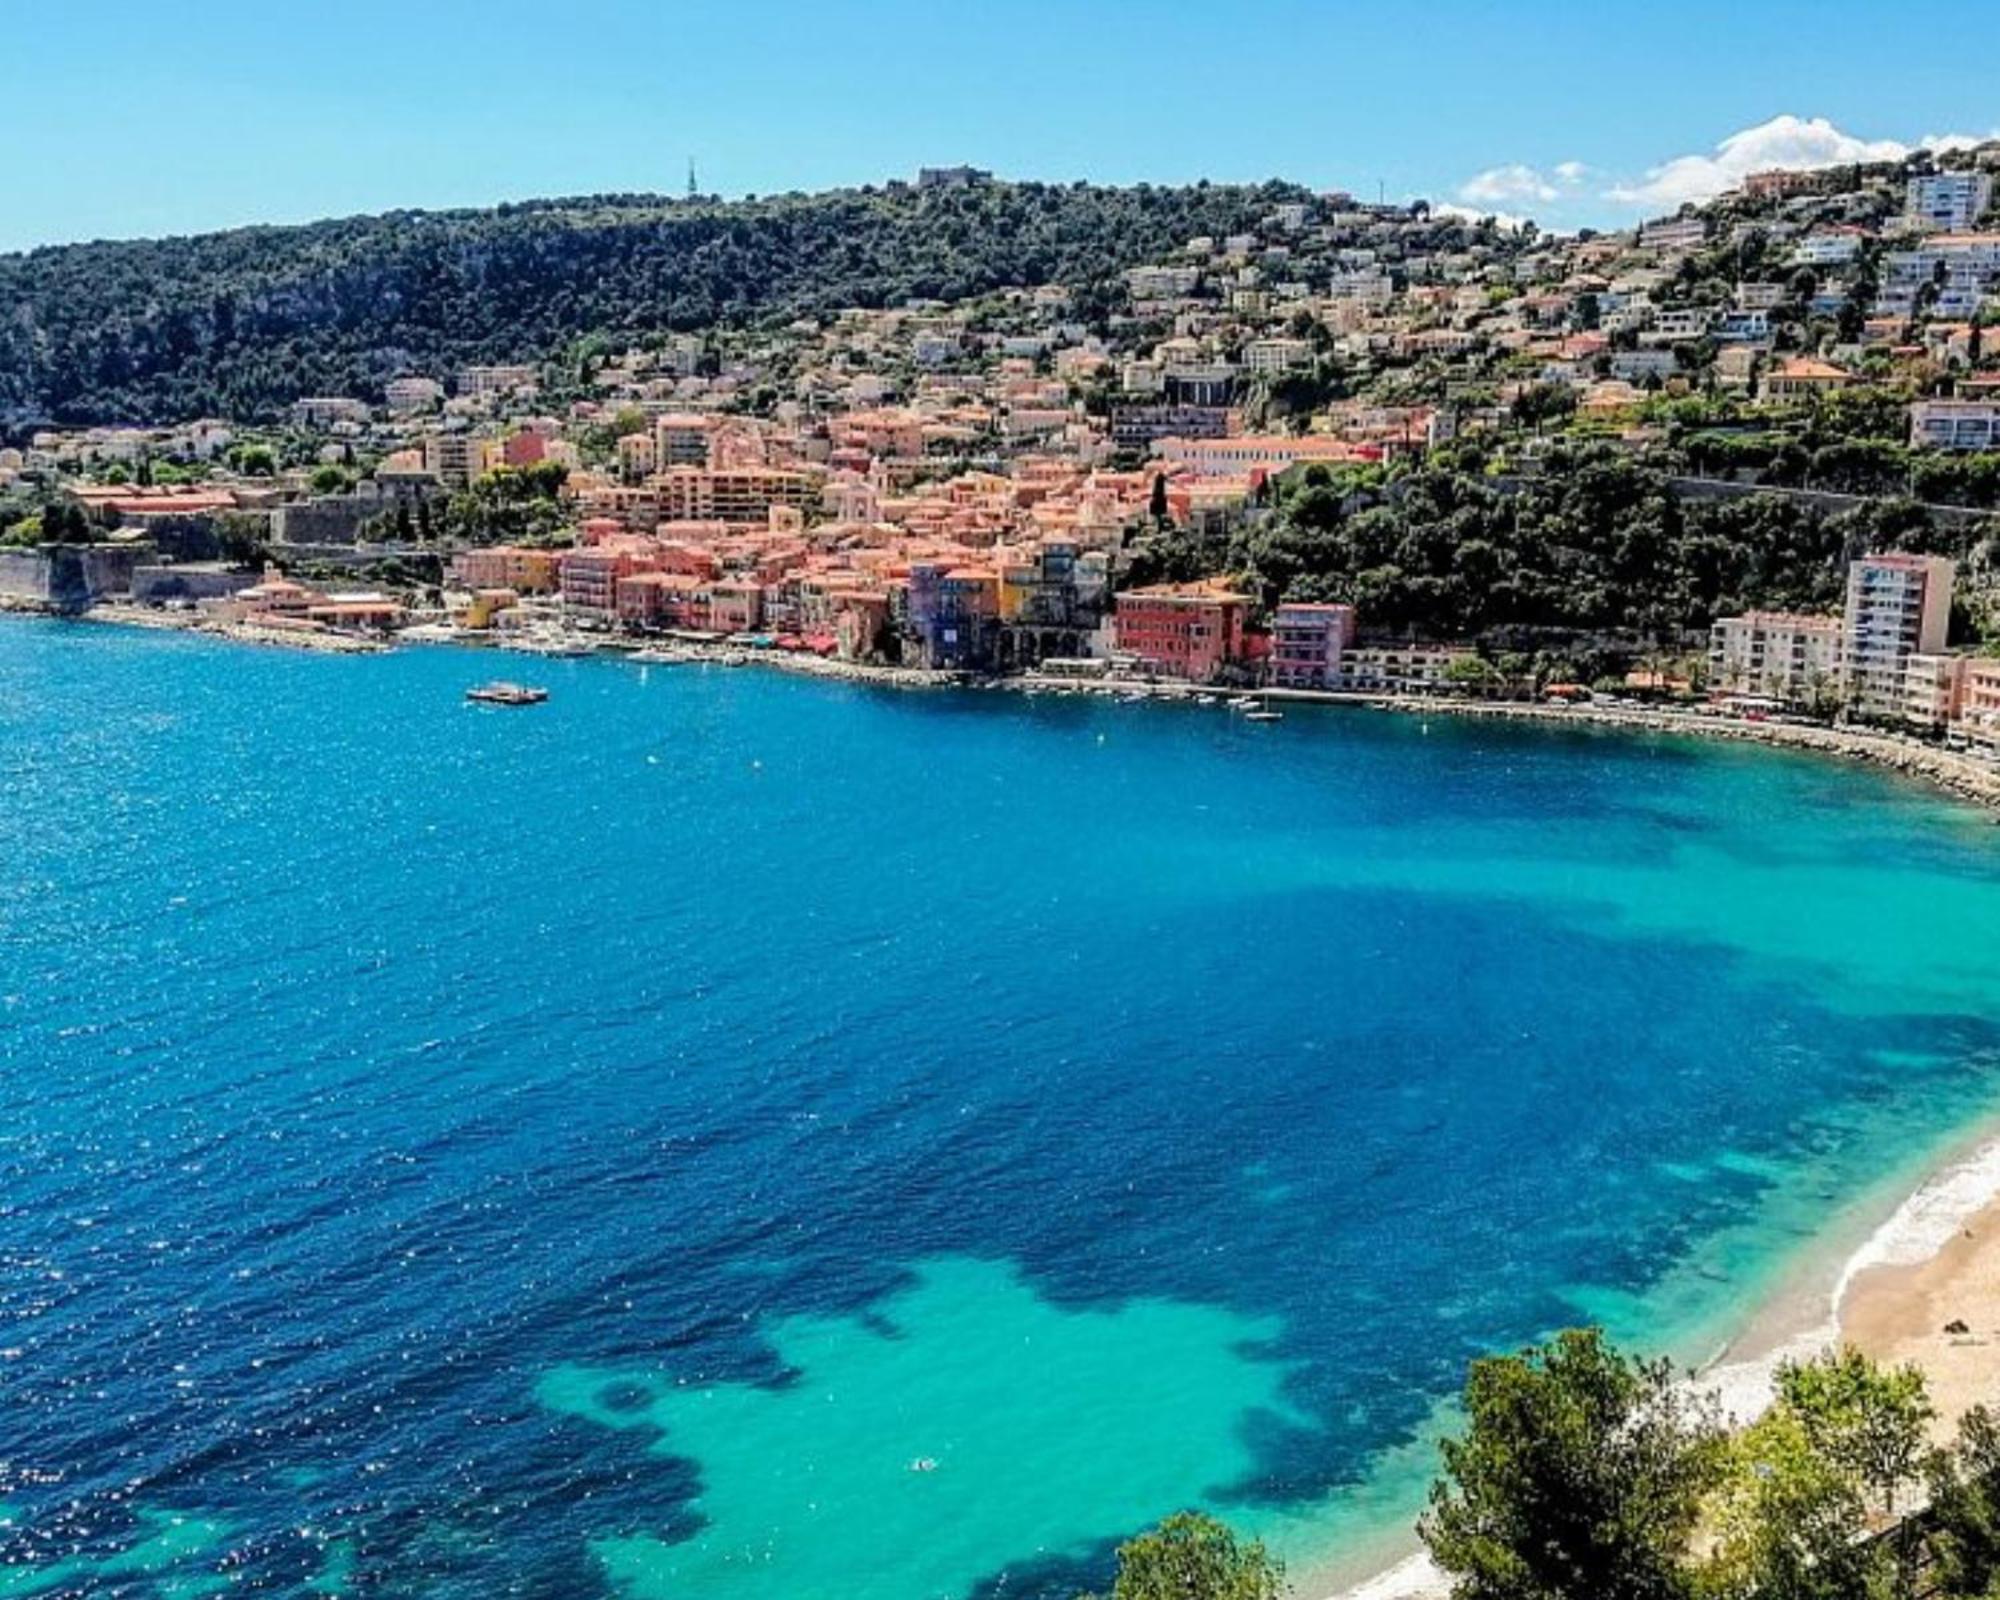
{"points": [[1898, 606]]}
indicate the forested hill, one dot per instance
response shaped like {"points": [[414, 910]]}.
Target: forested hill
{"points": [[239, 324]]}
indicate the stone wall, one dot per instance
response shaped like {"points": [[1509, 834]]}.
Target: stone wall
{"points": [[152, 585], [24, 574], [71, 576]]}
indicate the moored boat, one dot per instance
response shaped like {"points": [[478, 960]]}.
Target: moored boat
{"points": [[506, 694]]}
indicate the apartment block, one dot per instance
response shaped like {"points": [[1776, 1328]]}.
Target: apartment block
{"points": [[1956, 424], [1949, 201], [1776, 655], [1307, 644], [1898, 606]]}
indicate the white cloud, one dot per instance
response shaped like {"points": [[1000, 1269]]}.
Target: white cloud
{"points": [[1506, 220], [1571, 173], [1514, 181], [1799, 144], [1943, 143]]}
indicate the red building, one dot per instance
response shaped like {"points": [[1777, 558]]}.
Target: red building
{"points": [[1182, 630]]}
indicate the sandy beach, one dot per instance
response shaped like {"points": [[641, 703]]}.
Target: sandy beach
{"points": [[1942, 1314], [1922, 1287]]}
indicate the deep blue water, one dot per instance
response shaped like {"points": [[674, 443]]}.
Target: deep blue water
{"points": [[398, 1098]]}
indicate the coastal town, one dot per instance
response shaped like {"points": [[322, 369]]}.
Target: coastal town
{"points": [[983, 488], [702, 734]]}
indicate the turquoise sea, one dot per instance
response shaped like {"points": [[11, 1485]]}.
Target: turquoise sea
{"points": [[720, 1135]]}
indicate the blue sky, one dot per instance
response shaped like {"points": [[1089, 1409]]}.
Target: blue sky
{"points": [[131, 117]]}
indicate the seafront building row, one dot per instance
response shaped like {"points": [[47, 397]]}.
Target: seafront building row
{"points": [[936, 606], [1882, 660]]}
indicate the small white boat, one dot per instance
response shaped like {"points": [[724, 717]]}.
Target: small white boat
{"points": [[1266, 715], [506, 694]]}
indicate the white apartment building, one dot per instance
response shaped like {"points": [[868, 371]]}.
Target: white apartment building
{"points": [[1674, 233], [1956, 424], [1636, 366], [1400, 668], [1373, 289], [480, 383], [1680, 322], [1826, 250], [1931, 689], [455, 459], [323, 411], [412, 394], [681, 354], [1949, 201], [1162, 283], [1898, 606], [1277, 355], [1776, 655], [1970, 262]]}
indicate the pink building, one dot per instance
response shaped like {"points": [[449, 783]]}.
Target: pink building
{"points": [[1307, 642], [664, 600], [736, 605], [524, 449], [590, 573]]}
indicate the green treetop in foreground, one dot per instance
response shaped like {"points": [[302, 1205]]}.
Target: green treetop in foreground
{"points": [[1581, 1474], [1584, 1474], [1191, 1556]]}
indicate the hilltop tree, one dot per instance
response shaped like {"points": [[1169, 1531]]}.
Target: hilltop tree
{"points": [[65, 522], [205, 326]]}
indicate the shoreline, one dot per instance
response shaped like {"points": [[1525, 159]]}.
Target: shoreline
{"points": [[324, 642], [1959, 776], [1892, 1290]]}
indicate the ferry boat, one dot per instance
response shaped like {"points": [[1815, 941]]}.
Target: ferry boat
{"points": [[506, 694]]}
